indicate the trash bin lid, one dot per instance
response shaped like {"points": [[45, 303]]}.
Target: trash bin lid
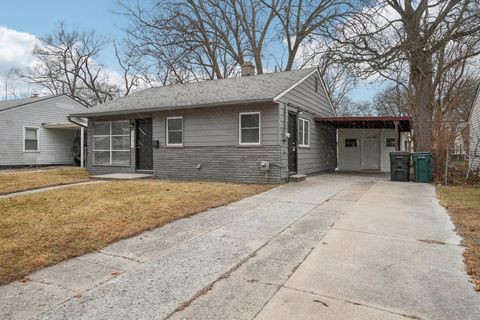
{"points": [[400, 153]]}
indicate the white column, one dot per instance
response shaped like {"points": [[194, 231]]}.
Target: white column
{"points": [[82, 144]]}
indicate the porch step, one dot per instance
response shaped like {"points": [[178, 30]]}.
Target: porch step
{"points": [[122, 176], [298, 178]]}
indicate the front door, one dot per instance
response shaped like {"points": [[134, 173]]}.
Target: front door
{"points": [[371, 152], [144, 152], [292, 142]]}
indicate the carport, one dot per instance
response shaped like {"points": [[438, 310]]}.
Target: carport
{"points": [[364, 143]]}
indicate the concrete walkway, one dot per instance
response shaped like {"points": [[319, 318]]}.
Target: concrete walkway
{"points": [[333, 247], [38, 190]]}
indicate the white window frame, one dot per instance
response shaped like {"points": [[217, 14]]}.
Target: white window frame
{"points": [[111, 144], [301, 138], [38, 138], [166, 132], [240, 114]]}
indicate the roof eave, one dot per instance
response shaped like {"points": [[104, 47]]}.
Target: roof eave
{"points": [[158, 109]]}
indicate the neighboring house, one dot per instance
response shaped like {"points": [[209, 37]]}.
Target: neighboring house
{"points": [[255, 128], [474, 133], [35, 131]]}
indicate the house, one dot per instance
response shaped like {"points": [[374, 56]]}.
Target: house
{"points": [[35, 131], [255, 128], [474, 133]]}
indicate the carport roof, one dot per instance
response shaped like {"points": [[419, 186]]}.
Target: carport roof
{"points": [[372, 122]]}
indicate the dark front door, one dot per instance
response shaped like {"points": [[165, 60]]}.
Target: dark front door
{"points": [[144, 144], [292, 142]]}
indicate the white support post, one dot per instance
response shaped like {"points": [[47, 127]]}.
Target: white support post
{"points": [[82, 147]]}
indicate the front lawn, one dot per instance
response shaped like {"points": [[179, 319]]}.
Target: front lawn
{"points": [[42, 229], [463, 204], [20, 180]]}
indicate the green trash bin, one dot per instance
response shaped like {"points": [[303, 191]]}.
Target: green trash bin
{"points": [[422, 166]]}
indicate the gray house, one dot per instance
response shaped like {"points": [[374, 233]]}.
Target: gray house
{"points": [[474, 133], [255, 128], [35, 131]]}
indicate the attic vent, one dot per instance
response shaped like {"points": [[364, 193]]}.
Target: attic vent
{"points": [[248, 69]]}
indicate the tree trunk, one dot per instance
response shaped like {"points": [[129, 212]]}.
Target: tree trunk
{"points": [[423, 98]]}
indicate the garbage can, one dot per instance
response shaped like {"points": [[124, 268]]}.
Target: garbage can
{"points": [[400, 166], [422, 166]]}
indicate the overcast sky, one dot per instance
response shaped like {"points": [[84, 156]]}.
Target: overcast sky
{"points": [[23, 21]]}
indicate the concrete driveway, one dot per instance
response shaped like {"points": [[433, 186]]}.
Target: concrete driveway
{"points": [[332, 247]]}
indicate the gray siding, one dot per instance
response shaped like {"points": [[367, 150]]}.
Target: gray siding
{"points": [[54, 144], [321, 154], [303, 96], [474, 144]]}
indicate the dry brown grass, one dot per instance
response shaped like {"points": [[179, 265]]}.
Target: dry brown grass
{"points": [[20, 180], [463, 204], [42, 229]]}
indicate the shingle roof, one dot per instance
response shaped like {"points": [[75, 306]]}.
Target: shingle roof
{"points": [[10, 104], [204, 93]]}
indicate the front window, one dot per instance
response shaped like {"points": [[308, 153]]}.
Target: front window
{"points": [[111, 143], [304, 133], [249, 127], [175, 131], [30, 139]]}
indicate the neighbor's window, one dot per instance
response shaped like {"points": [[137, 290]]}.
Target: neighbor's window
{"points": [[249, 127], [390, 142], [30, 139], [351, 143], [304, 133], [111, 143], [175, 131], [316, 84]]}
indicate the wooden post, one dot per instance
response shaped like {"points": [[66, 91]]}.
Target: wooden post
{"points": [[397, 136]]}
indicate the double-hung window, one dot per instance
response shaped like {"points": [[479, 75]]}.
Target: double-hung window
{"points": [[304, 133], [30, 139], [174, 131], [249, 128], [111, 143]]}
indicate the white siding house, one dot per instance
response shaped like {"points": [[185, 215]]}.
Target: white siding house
{"points": [[474, 124], [36, 131]]}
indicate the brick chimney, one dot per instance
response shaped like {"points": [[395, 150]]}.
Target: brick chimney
{"points": [[248, 69]]}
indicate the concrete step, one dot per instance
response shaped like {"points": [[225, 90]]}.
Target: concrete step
{"points": [[122, 176], [297, 177]]}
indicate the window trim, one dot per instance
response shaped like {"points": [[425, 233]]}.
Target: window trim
{"points": [[167, 143], [38, 139], [110, 150], [301, 142], [240, 114]]}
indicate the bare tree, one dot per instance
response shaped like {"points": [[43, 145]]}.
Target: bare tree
{"points": [[392, 101], [387, 36], [67, 64], [208, 39]]}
